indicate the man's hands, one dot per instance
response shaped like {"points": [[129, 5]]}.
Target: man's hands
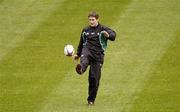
{"points": [[75, 57], [105, 34]]}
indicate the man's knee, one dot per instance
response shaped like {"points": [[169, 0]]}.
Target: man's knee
{"points": [[93, 82], [84, 63]]}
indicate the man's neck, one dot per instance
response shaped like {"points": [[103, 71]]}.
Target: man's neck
{"points": [[95, 25]]}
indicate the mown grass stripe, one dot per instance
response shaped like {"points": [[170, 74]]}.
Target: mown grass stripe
{"points": [[161, 92], [20, 18], [145, 38]]}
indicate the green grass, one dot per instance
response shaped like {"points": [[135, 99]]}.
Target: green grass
{"points": [[161, 91], [35, 76]]}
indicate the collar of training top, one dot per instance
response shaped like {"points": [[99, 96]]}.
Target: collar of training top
{"points": [[95, 26]]}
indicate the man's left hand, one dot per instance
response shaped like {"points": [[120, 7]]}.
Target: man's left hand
{"points": [[105, 34]]}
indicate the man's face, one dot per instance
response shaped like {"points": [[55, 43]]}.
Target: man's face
{"points": [[93, 21]]}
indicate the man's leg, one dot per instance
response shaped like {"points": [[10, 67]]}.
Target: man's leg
{"points": [[94, 78], [84, 61]]}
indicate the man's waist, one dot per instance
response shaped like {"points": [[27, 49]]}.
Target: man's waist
{"points": [[95, 50]]}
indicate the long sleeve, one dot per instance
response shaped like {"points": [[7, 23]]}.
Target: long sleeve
{"points": [[112, 33], [80, 46]]}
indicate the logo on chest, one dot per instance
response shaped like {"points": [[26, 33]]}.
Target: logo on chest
{"points": [[92, 33]]}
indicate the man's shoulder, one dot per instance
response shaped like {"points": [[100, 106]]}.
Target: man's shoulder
{"points": [[103, 26]]}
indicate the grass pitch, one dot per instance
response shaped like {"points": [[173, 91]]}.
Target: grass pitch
{"points": [[141, 68]]}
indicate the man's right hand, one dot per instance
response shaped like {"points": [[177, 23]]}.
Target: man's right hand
{"points": [[75, 57]]}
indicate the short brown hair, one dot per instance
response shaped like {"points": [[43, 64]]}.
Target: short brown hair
{"points": [[93, 14]]}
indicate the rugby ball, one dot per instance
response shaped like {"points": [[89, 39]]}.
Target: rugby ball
{"points": [[68, 50]]}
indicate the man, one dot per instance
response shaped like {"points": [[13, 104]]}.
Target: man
{"points": [[93, 42]]}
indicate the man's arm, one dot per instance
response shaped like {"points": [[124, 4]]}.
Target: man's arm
{"points": [[80, 46], [109, 33]]}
